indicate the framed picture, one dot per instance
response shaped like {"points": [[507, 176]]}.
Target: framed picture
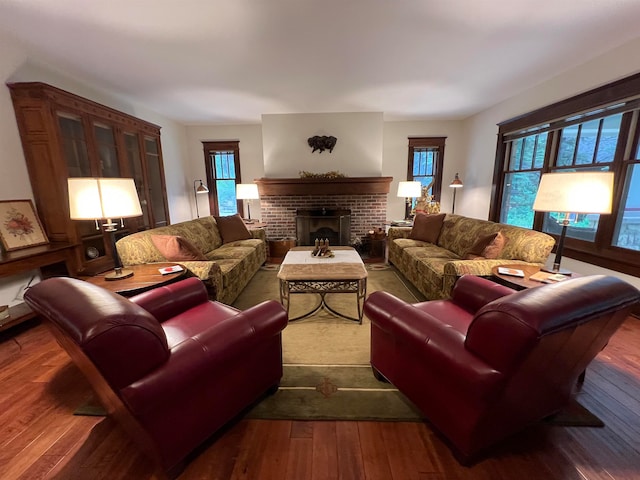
{"points": [[19, 225]]}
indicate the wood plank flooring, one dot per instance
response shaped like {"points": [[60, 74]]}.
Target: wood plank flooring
{"points": [[41, 439]]}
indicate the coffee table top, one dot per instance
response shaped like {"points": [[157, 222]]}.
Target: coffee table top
{"points": [[145, 277], [299, 264]]}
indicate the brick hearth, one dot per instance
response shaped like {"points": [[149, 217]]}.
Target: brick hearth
{"points": [[368, 211]]}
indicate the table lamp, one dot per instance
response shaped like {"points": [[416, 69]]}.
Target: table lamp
{"points": [[247, 191], [573, 193], [409, 190], [105, 198], [455, 184], [198, 190]]}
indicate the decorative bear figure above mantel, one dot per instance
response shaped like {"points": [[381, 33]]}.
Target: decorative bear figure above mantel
{"points": [[322, 143]]}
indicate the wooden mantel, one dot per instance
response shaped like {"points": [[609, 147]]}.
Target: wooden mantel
{"points": [[323, 186]]}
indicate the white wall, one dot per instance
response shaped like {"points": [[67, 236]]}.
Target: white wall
{"points": [[481, 130], [251, 162], [358, 151], [395, 158]]}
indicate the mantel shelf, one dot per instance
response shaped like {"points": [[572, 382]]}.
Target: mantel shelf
{"points": [[323, 186]]}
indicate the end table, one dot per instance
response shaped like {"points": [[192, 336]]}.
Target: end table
{"points": [[145, 277]]}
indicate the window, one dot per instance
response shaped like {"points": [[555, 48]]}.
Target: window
{"points": [[426, 157], [222, 163], [598, 130]]}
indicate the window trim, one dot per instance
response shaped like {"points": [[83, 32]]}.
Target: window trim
{"points": [[601, 252], [218, 146], [433, 142]]}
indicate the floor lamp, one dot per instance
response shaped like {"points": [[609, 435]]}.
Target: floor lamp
{"points": [[409, 190], [198, 190], [455, 184], [247, 191], [105, 199], [573, 193]]}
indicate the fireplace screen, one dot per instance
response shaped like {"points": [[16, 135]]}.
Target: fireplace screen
{"points": [[331, 224]]}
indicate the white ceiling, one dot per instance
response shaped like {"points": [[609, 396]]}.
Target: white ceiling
{"points": [[214, 61]]}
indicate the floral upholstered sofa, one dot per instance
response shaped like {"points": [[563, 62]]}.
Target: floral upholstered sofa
{"points": [[455, 247], [225, 259]]}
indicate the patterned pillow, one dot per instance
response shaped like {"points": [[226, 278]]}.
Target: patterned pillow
{"points": [[494, 248], [477, 250], [427, 227], [232, 228], [176, 249]]}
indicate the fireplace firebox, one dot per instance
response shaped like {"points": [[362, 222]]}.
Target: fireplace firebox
{"points": [[323, 223]]}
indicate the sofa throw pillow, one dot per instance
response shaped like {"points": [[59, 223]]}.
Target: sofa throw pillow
{"points": [[477, 250], [427, 227], [232, 228], [177, 249], [494, 248]]}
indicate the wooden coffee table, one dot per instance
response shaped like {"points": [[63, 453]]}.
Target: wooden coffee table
{"points": [[145, 277], [300, 272]]}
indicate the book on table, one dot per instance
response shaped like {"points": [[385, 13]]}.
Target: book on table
{"points": [[171, 269], [514, 272], [546, 277]]}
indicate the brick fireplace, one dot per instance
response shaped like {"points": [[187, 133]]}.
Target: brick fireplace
{"points": [[281, 198]]}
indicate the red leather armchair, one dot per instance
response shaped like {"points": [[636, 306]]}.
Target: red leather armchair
{"points": [[489, 361], [171, 366]]}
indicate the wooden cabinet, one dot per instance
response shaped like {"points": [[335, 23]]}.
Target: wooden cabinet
{"points": [[64, 136]]}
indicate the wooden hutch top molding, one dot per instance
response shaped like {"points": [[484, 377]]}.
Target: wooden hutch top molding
{"points": [[323, 186], [41, 91]]}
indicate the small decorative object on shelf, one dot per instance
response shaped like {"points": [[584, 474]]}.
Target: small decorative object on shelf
{"points": [[331, 174], [321, 248], [426, 204], [19, 225]]}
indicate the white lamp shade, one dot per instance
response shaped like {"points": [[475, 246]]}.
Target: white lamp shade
{"points": [[409, 189], [247, 191], [575, 192], [93, 198]]}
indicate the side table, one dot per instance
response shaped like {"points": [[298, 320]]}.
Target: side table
{"points": [[520, 283], [145, 277]]}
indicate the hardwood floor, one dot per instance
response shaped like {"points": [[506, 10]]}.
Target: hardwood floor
{"points": [[41, 439]]}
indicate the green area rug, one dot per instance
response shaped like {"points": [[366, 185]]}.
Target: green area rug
{"points": [[323, 338], [327, 392]]}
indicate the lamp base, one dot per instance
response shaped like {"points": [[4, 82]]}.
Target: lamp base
{"points": [[119, 274], [561, 271]]}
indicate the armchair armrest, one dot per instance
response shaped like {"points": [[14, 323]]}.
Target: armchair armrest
{"points": [[170, 300], [472, 293], [207, 355], [258, 233], [455, 269], [398, 232], [482, 268], [209, 272], [438, 345]]}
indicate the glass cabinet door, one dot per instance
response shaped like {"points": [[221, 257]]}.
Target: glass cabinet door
{"points": [[74, 145], [154, 175], [134, 162], [107, 151]]}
